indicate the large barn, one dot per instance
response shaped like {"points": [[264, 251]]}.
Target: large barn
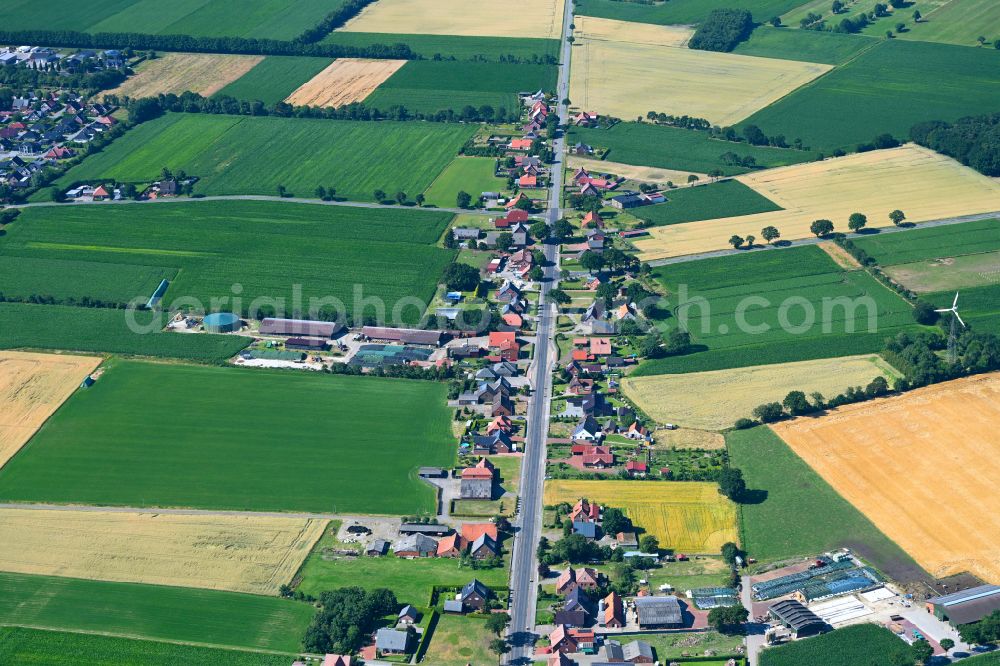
{"points": [[967, 606]]}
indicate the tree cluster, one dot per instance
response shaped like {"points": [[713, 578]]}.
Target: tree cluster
{"points": [[346, 617], [973, 141], [796, 403], [575, 549], [28, 78], [722, 30], [984, 632]]}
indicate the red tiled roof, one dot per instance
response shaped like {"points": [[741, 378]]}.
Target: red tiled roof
{"points": [[472, 531], [499, 338]]}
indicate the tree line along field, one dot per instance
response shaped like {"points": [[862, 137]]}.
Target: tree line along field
{"points": [[716, 288], [270, 249], [706, 202], [274, 78], [429, 86], [254, 155], [645, 144], [156, 612], [831, 48], [20, 645], [458, 46], [868, 644], [229, 438], [804, 517], [270, 19], [888, 88], [680, 11], [66, 328]]}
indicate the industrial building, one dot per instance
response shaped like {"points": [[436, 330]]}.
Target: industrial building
{"points": [[967, 606], [658, 612], [299, 327], [800, 620], [222, 322]]}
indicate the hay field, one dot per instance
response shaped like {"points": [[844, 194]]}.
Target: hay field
{"points": [[202, 73], [922, 183], [627, 80], [32, 387], [610, 30], [344, 81], [714, 400], [642, 173], [238, 553], [468, 18], [687, 516], [922, 466]]}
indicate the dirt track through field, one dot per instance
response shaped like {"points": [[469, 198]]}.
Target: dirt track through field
{"points": [[202, 73], [32, 387], [344, 81], [238, 553], [924, 467]]}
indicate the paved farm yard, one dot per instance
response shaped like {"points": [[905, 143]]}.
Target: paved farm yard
{"points": [[230, 438]]}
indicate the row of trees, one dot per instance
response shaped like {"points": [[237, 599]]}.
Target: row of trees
{"points": [[797, 404], [769, 233]]}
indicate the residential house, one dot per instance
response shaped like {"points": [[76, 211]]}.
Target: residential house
{"points": [[582, 149], [638, 652], [474, 595], [561, 641], [520, 144], [519, 199], [391, 641], [613, 612], [407, 615], [520, 232], [559, 659], [570, 579], [511, 218], [496, 442], [415, 545], [577, 611], [337, 660], [595, 240], [636, 468], [588, 189], [627, 540], [626, 201], [484, 548], [472, 531], [585, 119], [586, 530], [504, 346], [581, 386], [527, 180], [477, 482], [638, 432], [451, 546], [588, 430], [625, 311], [593, 220], [600, 347], [378, 548], [585, 512], [500, 424], [507, 293], [521, 262], [502, 405]]}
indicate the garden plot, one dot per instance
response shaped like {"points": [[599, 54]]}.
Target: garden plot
{"points": [[515, 18], [346, 80]]}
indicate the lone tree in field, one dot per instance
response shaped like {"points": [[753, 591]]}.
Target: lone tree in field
{"points": [[856, 222], [897, 217], [379, 195], [420, 199], [917, 16], [731, 483], [321, 193], [775, 21], [821, 227], [736, 241], [770, 233], [401, 197], [282, 191], [751, 239], [463, 199], [692, 178]]}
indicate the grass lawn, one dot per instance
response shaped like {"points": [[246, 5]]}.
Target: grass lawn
{"points": [[469, 174], [230, 438], [706, 202], [270, 249], [461, 47], [459, 640], [429, 86], [672, 646], [889, 88], [55, 648], [274, 78], [154, 611], [867, 644], [270, 19], [707, 297], [799, 514], [831, 48], [58, 327], [665, 147], [411, 580], [679, 11], [254, 154]]}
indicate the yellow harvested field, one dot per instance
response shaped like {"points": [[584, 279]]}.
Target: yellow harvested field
{"points": [[469, 18], [923, 184], [627, 80], [713, 400], [642, 173], [32, 387], [924, 467], [240, 553], [344, 81], [688, 438], [687, 516], [203, 73], [629, 32]]}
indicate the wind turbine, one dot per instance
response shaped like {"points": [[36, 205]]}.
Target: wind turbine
{"points": [[952, 356]]}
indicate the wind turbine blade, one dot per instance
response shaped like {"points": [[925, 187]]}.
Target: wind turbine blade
{"points": [[955, 312], [944, 310], [955, 302]]}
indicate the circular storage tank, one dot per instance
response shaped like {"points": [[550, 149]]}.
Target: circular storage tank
{"points": [[222, 322]]}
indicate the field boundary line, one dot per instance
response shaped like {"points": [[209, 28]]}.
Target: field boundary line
{"points": [[112, 634]]}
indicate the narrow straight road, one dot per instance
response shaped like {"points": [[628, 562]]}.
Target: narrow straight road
{"points": [[524, 566]]}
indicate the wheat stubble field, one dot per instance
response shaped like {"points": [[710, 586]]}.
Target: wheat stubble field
{"points": [[466, 18], [32, 387], [344, 81], [202, 73], [922, 466], [221, 552]]}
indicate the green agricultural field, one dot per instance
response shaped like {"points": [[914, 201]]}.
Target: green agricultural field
{"points": [[274, 78], [679, 11], [157, 612], [888, 88], [233, 438], [918, 244], [31, 647], [867, 644], [979, 307], [643, 144], [23, 277], [460, 47], [804, 517], [830, 48], [272, 250], [824, 307], [957, 22], [57, 327], [707, 202], [254, 155], [459, 640], [429, 86], [469, 174], [271, 19]]}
